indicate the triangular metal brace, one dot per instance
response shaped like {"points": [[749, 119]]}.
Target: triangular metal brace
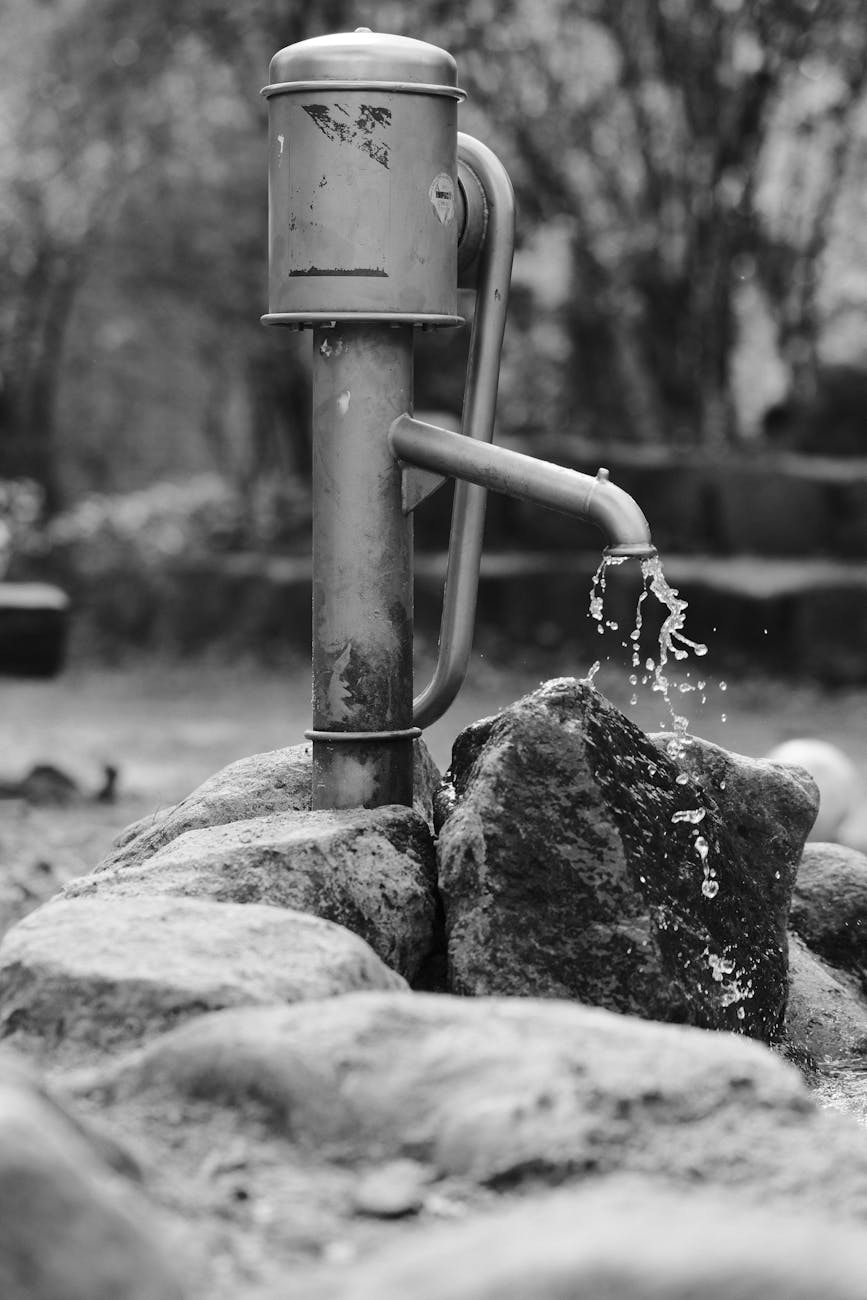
{"points": [[417, 485]]}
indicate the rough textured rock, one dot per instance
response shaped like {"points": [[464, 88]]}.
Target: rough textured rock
{"points": [[571, 865], [85, 973], [71, 1228], [502, 1091], [826, 1018], [829, 904], [766, 808], [631, 1241], [370, 870], [275, 782]]}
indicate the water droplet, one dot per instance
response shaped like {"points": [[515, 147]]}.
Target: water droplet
{"points": [[594, 669], [741, 1013], [633, 699], [691, 815], [723, 686], [633, 679], [681, 778], [650, 665], [722, 785], [723, 717], [710, 888]]}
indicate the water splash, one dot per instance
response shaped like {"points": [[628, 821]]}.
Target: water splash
{"points": [[673, 645], [672, 642], [597, 591], [692, 815], [592, 671]]}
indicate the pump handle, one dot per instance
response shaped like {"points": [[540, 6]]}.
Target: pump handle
{"points": [[485, 255]]}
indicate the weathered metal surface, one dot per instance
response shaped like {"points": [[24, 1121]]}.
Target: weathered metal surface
{"points": [[597, 500], [363, 192], [362, 567], [489, 231]]}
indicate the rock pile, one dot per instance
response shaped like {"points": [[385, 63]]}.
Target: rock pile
{"points": [[246, 1093]]}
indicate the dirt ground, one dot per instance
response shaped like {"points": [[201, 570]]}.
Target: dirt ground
{"points": [[166, 727]]}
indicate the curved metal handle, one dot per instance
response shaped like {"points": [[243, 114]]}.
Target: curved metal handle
{"points": [[490, 257]]}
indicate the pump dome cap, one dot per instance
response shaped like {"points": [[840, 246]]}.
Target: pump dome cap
{"points": [[366, 60]]}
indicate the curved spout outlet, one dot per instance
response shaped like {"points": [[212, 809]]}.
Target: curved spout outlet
{"points": [[597, 500]]}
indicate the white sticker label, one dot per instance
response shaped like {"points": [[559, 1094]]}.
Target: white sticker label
{"points": [[442, 196]]}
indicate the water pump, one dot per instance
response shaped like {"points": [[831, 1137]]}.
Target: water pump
{"points": [[379, 209]]}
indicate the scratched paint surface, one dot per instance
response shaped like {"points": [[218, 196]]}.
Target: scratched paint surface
{"points": [[339, 190], [361, 128]]}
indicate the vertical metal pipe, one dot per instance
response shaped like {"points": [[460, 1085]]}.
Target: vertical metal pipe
{"points": [[362, 569]]}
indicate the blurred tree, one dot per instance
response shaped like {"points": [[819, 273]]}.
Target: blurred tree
{"points": [[102, 127], [690, 145], [679, 147]]}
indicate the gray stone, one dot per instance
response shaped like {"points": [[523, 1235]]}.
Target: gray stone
{"points": [[829, 904], [826, 1017], [503, 1091], [370, 870], [275, 782], [631, 1240], [97, 973], [70, 1227], [570, 866]]}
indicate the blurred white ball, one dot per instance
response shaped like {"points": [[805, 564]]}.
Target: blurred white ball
{"points": [[834, 773]]}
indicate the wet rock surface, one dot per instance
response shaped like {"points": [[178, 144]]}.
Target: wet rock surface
{"points": [[94, 974], [574, 863], [370, 870]]}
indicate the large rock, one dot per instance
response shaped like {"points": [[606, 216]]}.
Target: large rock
{"points": [[826, 1016], [502, 1091], [71, 1228], [829, 904], [370, 870], [574, 863], [626, 1241], [274, 782], [97, 973]]}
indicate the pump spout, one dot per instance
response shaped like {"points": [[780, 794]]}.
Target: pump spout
{"points": [[595, 499]]}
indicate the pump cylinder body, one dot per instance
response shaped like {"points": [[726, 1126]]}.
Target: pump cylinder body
{"points": [[363, 196], [363, 191]]}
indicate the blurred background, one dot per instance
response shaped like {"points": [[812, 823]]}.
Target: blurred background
{"points": [[689, 308]]}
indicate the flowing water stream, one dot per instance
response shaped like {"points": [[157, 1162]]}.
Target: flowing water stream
{"points": [[843, 1089], [673, 645]]}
